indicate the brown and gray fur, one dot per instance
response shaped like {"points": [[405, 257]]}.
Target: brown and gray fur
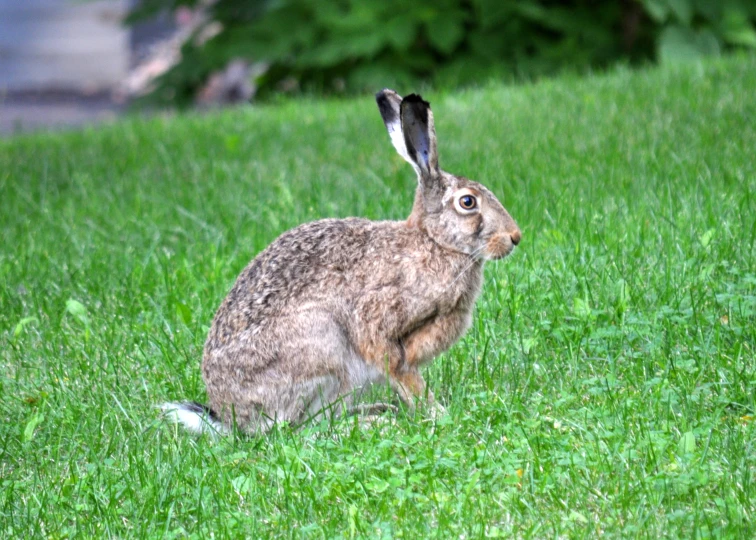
{"points": [[335, 305]]}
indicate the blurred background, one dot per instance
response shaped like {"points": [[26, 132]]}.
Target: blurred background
{"points": [[72, 62]]}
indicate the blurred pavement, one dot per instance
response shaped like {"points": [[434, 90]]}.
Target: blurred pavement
{"points": [[22, 112]]}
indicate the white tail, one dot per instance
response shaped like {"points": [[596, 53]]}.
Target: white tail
{"points": [[194, 417]]}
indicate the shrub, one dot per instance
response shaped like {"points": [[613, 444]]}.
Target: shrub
{"points": [[354, 45]]}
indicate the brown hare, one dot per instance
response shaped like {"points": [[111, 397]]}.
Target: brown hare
{"points": [[333, 306]]}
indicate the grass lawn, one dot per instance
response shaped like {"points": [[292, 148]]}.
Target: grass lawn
{"points": [[607, 386]]}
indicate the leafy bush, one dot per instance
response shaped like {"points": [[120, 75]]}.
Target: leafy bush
{"points": [[355, 45]]}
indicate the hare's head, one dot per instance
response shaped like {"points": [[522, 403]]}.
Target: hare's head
{"points": [[457, 213]]}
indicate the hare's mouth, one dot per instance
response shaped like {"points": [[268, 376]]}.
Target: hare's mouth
{"points": [[498, 247], [501, 254]]}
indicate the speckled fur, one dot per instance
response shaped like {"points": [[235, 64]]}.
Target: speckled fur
{"points": [[334, 305]]}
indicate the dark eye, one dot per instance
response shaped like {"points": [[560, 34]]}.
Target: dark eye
{"points": [[467, 202]]}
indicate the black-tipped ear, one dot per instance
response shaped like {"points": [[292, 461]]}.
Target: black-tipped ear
{"points": [[389, 103], [419, 134]]}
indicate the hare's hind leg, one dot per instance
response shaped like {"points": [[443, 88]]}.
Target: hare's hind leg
{"points": [[324, 374], [300, 366], [371, 409], [371, 414]]}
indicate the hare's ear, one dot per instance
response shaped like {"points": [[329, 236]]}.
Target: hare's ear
{"points": [[389, 103], [419, 135]]}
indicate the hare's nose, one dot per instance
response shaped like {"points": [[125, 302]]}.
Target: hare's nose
{"points": [[515, 236]]}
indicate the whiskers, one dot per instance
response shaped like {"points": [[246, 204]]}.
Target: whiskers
{"points": [[472, 259]]}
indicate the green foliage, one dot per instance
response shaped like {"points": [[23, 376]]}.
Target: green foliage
{"points": [[606, 388], [364, 45], [689, 29]]}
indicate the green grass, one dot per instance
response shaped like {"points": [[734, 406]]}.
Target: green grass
{"points": [[608, 384]]}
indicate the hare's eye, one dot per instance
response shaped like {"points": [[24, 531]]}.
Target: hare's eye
{"points": [[467, 202]]}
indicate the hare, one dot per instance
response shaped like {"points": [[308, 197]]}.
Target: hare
{"points": [[333, 306]]}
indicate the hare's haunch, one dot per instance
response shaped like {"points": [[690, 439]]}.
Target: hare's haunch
{"points": [[335, 305]]}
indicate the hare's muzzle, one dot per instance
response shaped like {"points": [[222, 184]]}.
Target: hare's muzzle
{"points": [[502, 244]]}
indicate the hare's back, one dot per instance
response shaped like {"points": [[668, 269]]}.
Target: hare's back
{"points": [[307, 264]]}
